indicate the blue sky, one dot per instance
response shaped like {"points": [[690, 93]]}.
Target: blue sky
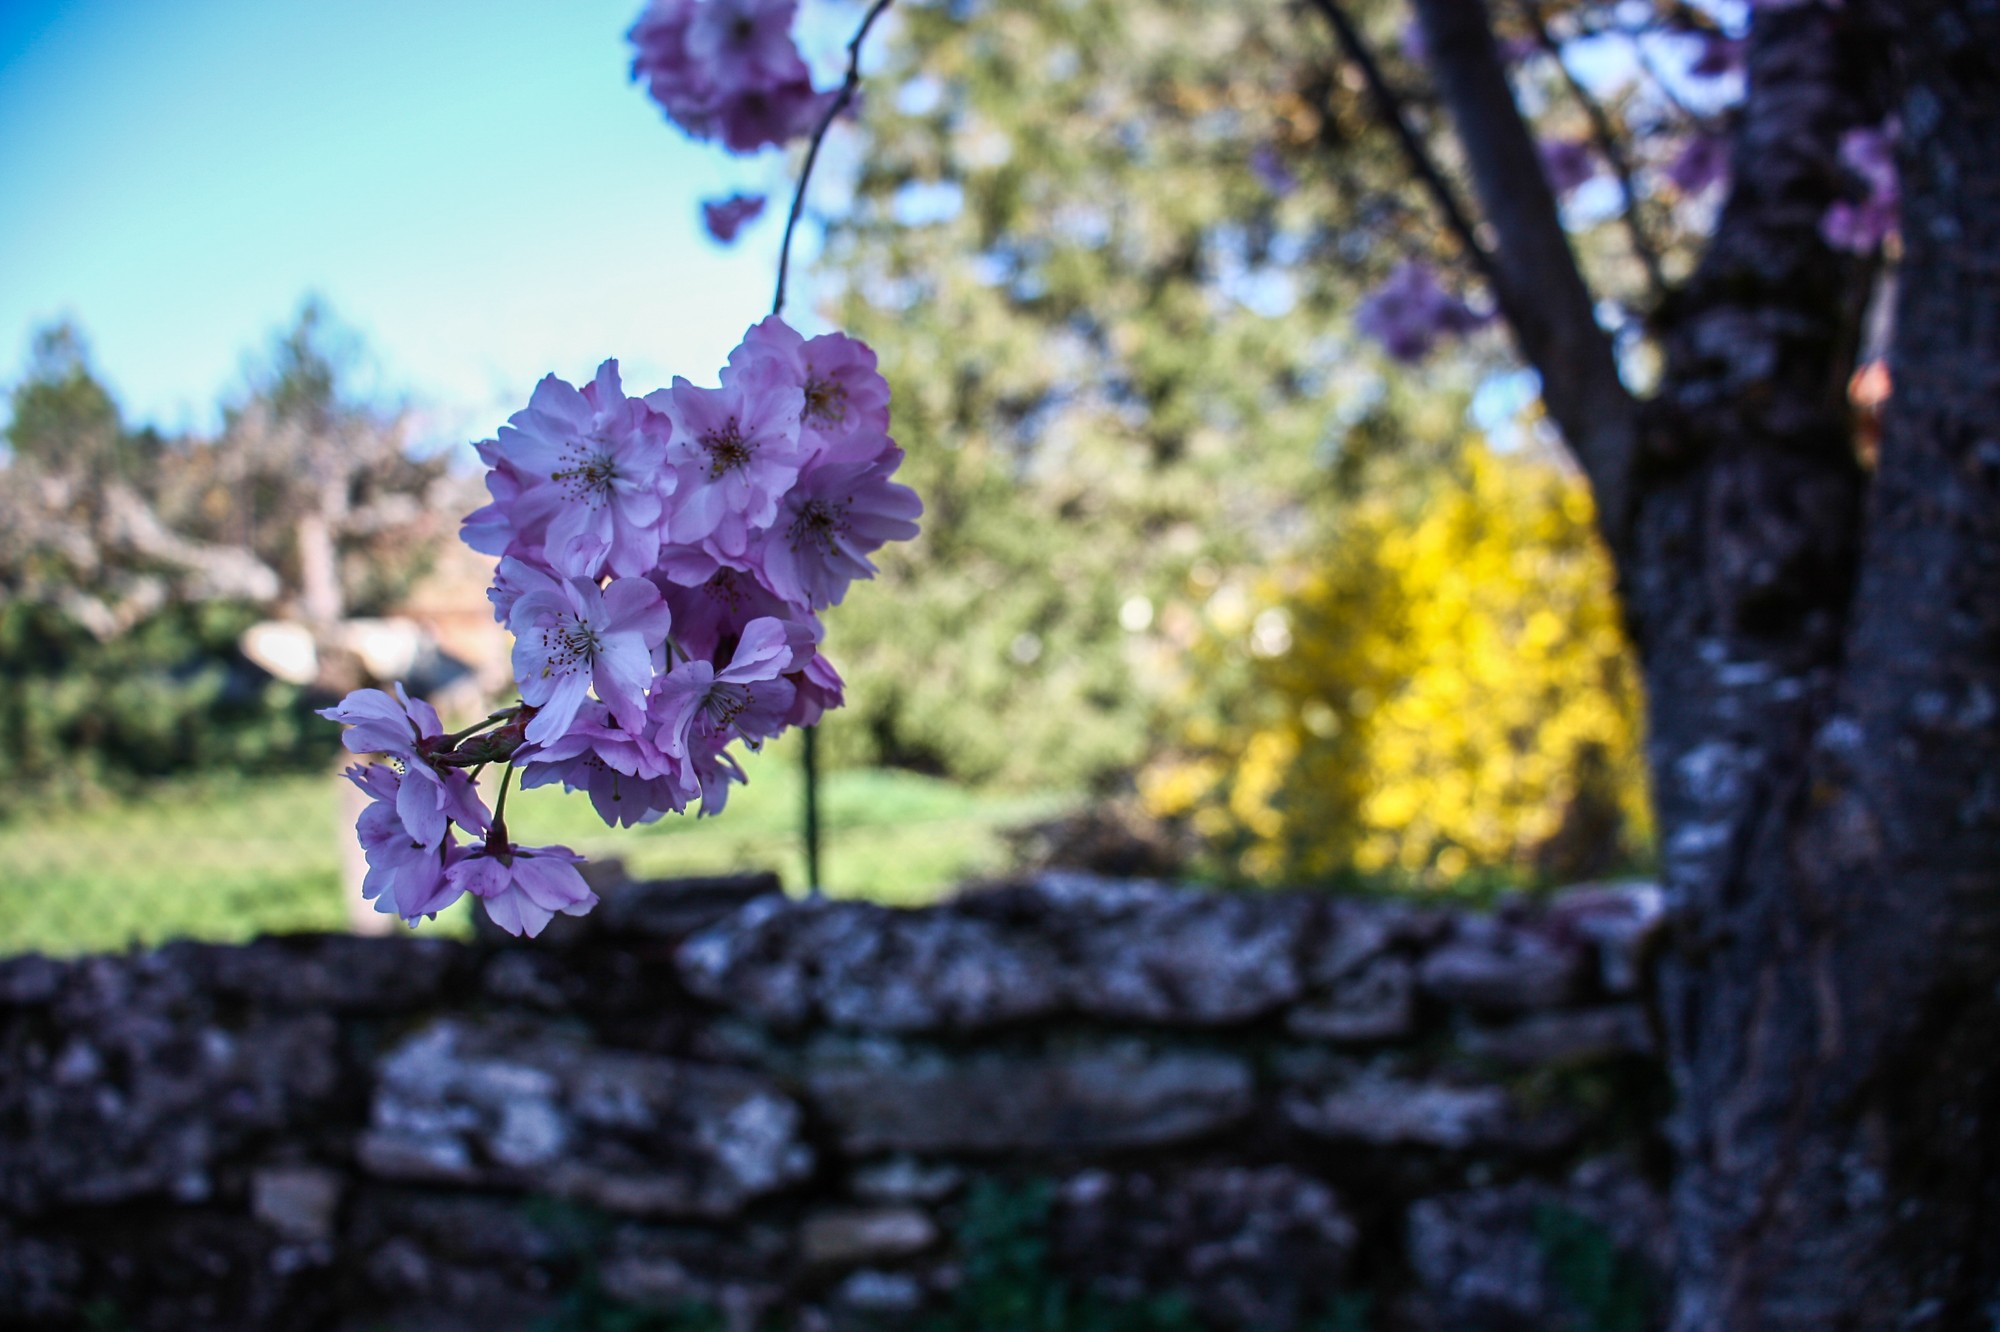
{"points": [[473, 185]]}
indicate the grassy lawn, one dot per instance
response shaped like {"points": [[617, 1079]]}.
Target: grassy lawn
{"points": [[229, 859]]}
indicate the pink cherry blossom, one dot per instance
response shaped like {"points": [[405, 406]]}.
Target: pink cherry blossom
{"points": [[819, 690], [499, 528], [405, 730], [628, 779], [570, 636], [738, 448], [845, 400], [714, 770], [588, 481], [831, 521], [696, 703], [378, 723], [523, 888], [727, 69], [405, 876], [758, 116], [719, 609], [744, 42], [725, 217]]}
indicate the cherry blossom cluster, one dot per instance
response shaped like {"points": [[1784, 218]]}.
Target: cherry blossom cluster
{"points": [[662, 564], [727, 70]]}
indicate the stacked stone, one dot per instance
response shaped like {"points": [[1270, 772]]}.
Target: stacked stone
{"points": [[709, 1094]]}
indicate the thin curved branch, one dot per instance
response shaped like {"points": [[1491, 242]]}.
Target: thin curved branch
{"points": [[842, 97], [1544, 296], [1609, 144], [1389, 105]]}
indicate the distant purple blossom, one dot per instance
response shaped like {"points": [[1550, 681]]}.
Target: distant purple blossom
{"points": [[725, 217], [1702, 161], [1268, 166], [1568, 163], [1416, 47], [1718, 57], [1860, 226], [727, 69], [1409, 313]]}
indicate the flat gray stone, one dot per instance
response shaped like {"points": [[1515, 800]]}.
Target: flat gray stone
{"points": [[299, 1202], [1392, 1112], [1179, 956], [849, 1237], [1564, 1039], [992, 1103], [869, 968], [1503, 968], [1378, 1002], [524, 1105]]}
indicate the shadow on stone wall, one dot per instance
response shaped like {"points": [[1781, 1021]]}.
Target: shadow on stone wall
{"points": [[1068, 1104]]}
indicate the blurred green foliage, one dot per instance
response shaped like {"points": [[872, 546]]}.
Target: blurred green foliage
{"points": [[1108, 252], [1009, 1283], [131, 564], [82, 708], [227, 857], [79, 715], [1121, 358], [1608, 1288]]}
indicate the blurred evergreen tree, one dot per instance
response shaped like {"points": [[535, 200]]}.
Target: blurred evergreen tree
{"points": [[1100, 253]]}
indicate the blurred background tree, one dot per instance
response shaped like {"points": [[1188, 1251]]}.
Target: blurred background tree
{"points": [[131, 564], [1110, 255]]}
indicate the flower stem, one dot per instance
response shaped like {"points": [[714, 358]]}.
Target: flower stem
{"points": [[492, 720], [496, 836], [840, 102]]}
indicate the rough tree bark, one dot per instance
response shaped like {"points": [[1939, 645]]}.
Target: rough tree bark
{"points": [[1822, 655]]}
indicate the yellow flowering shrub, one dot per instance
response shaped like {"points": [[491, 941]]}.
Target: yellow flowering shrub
{"points": [[1443, 697]]}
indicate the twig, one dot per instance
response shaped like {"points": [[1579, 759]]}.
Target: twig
{"points": [[1389, 105], [1650, 63], [1608, 143], [841, 98]]}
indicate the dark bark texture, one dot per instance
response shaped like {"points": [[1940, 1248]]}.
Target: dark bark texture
{"points": [[1826, 707], [1821, 647]]}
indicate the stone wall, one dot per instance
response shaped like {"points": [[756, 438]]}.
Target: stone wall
{"points": [[707, 1106]]}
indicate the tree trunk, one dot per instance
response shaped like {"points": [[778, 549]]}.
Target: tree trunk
{"points": [[1826, 710]]}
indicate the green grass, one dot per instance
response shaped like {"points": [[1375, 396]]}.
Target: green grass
{"points": [[230, 859]]}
